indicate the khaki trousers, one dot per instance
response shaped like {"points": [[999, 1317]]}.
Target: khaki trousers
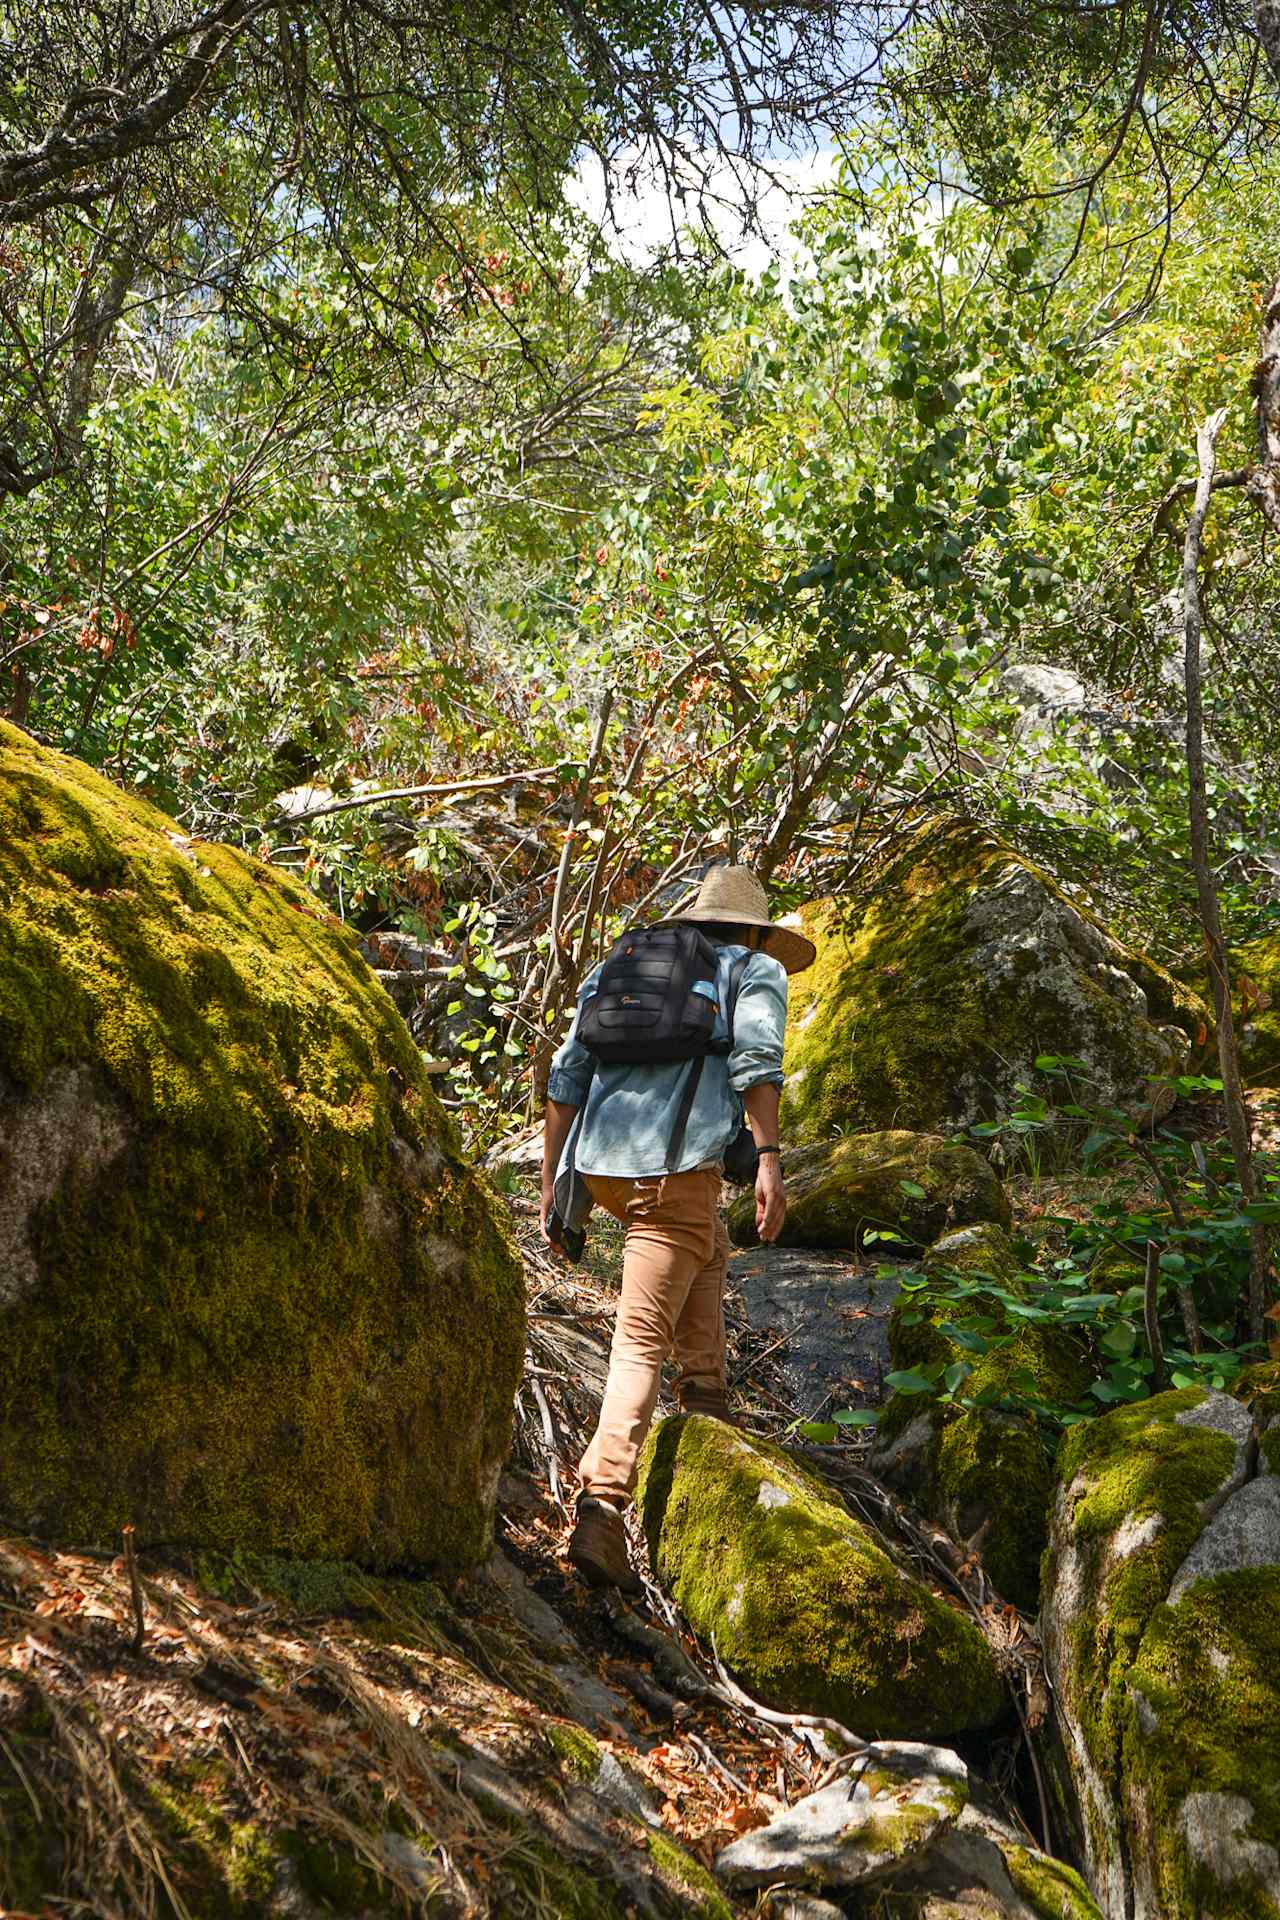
{"points": [[674, 1262]]}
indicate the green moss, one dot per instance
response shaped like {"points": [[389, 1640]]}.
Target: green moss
{"points": [[998, 1469], [225, 1868], [1258, 1027], [1138, 1462], [1053, 1890], [541, 1883], [333, 1874], [251, 1864], [579, 1754], [30, 1846], [803, 1604], [986, 1465], [898, 1833], [699, 1895], [1115, 1269], [284, 1315], [319, 1589], [1140, 1470], [913, 1184], [1201, 1713], [981, 1249], [1258, 1387], [895, 1025]]}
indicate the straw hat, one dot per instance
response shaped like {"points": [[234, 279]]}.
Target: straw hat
{"points": [[734, 895]]}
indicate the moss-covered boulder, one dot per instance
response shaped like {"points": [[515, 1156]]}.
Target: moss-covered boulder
{"points": [[250, 1295], [931, 999], [982, 1869], [983, 1471], [802, 1603], [1258, 1389], [1161, 1625], [913, 1185], [1115, 1269], [1255, 980]]}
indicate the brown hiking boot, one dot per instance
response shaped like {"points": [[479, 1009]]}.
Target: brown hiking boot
{"points": [[711, 1401], [598, 1546]]}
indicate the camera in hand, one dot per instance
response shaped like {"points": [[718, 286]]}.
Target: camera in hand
{"points": [[570, 1240]]}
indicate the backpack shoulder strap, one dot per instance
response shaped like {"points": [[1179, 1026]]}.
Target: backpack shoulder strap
{"points": [[688, 1094], [689, 1091]]}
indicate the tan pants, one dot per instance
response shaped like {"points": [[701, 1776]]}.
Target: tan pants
{"points": [[674, 1262]]}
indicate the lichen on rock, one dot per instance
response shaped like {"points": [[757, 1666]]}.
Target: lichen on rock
{"points": [[1053, 1890], [855, 1832], [803, 1604], [931, 998], [911, 1185], [253, 1295], [1165, 1659]]}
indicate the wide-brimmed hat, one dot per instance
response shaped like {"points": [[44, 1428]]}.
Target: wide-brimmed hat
{"points": [[735, 897]]}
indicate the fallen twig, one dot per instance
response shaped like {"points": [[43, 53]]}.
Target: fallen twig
{"points": [[810, 1722], [845, 1763], [135, 1592], [1046, 1827], [21, 1773], [716, 1764], [671, 1661], [655, 1700], [1151, 1314], [549, 1435]]}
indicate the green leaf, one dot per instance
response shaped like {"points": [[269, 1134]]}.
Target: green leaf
{"points": [[964, 1337], [909, 1381]]}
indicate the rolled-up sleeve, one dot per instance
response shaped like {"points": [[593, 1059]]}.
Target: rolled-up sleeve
{"points": [[759, 1022], [572, 1066]]}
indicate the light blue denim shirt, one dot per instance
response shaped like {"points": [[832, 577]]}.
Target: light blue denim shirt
{"points": [[625, 1128]]}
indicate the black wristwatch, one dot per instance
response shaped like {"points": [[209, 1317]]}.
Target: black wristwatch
{"points": [[768, 1149]]}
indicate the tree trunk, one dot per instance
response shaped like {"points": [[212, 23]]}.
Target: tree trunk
{"points": [[1237, 1114]]}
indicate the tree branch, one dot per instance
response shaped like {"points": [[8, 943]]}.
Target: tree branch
{"points": [[429, 791], [1183, 490], [24, 174]]}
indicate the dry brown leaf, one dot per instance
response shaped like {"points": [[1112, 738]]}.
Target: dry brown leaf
{"points": [[744, 1817]]}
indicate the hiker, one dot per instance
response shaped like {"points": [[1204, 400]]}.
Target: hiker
{"points": [[676, 1033]]}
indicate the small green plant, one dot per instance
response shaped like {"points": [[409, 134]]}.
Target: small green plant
{"points": [[1167, 1190]]}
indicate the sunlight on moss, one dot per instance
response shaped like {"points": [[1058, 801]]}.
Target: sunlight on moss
{"points": [[284, 1315]]}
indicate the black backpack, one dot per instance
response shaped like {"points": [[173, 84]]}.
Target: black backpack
{"points": [[656, 1002]]}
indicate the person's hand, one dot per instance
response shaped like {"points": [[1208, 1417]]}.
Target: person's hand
{"points": [[544, 1211], [771, 1198]]}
